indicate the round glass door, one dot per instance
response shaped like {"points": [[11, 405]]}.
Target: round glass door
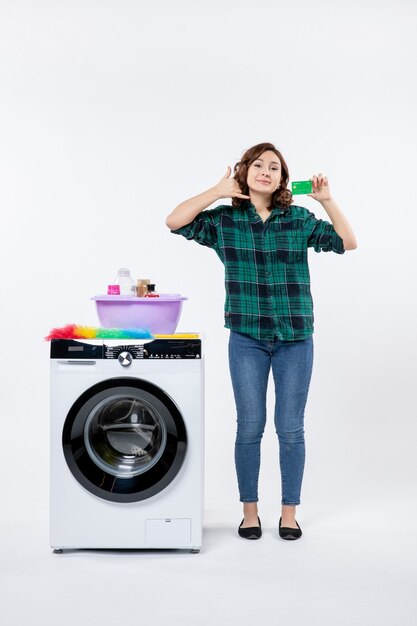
{"points": [[124, 440]]}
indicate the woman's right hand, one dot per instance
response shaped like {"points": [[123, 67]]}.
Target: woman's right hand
{"points": [[185, 212], [228, 187]]}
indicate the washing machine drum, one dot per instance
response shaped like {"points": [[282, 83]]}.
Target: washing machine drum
{"points": [[124, 440]]}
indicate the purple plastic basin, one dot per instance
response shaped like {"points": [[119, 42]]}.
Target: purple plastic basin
{"points": [[158, 315]]}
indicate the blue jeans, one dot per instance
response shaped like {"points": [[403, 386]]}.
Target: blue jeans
{"points": [[250, 361]]}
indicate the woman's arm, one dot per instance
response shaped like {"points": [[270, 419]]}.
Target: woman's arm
{"points": [[321, 193], [185, 212], [340, 223]]}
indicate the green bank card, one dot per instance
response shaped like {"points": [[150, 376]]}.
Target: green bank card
{"points": [[301, 186]]}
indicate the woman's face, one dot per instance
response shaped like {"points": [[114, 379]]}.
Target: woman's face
{"points": [[264, 174]]}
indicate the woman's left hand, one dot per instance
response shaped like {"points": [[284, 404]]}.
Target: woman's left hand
{"points": [[321, 190]]}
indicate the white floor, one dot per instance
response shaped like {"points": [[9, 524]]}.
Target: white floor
{"points": [[343, 571]]}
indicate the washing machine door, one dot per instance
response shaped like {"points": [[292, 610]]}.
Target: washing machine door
{"points": [[124, 440]]}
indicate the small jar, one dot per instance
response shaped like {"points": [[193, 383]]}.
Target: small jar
{"points": [[151, 293], [141, 286], [113, 290]]}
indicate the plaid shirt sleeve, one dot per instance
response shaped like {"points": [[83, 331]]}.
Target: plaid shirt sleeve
{"points": [[322, 236], [203, 228]]}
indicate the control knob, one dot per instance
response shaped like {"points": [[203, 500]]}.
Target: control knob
{"points": [[125, 359]]}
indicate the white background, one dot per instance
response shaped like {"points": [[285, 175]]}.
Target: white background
{"points": [[112, 113]]}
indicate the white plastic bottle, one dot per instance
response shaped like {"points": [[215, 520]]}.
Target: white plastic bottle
{"points": [[126, 282]]}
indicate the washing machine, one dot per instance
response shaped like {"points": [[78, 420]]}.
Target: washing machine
{"points": [[127, 444]]}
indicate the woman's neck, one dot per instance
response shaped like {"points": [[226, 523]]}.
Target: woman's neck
{"points": [[260, 201]]}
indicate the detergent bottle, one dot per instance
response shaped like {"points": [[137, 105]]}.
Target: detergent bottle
{"points": [[126, 282]]}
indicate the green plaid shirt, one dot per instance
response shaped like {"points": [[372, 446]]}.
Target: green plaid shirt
{"points": [[267, 279]]}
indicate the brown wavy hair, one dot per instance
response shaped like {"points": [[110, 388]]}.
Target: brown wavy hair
{"points": [[282, 197]]}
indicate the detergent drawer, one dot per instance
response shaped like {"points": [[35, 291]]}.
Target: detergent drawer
{"points": [[168, 532]]}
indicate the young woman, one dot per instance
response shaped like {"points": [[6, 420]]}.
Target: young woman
{"points": [[262, 240]]}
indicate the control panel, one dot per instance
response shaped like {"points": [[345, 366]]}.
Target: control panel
{"points": [[157, 349]]}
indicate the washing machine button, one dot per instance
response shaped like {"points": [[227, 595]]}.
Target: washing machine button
{"points": [[125, 359]]}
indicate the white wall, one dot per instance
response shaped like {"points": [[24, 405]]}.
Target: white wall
{"points": [[113, 112]]}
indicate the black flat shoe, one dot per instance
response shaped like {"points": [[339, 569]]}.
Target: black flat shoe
{"points": [[289, 533], [252, 532]]}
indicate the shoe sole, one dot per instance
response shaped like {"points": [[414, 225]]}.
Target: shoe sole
{"points": [[290, 537], [250, 536]]}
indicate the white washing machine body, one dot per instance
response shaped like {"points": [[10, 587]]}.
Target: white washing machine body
{"points": [[127, 444]]}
